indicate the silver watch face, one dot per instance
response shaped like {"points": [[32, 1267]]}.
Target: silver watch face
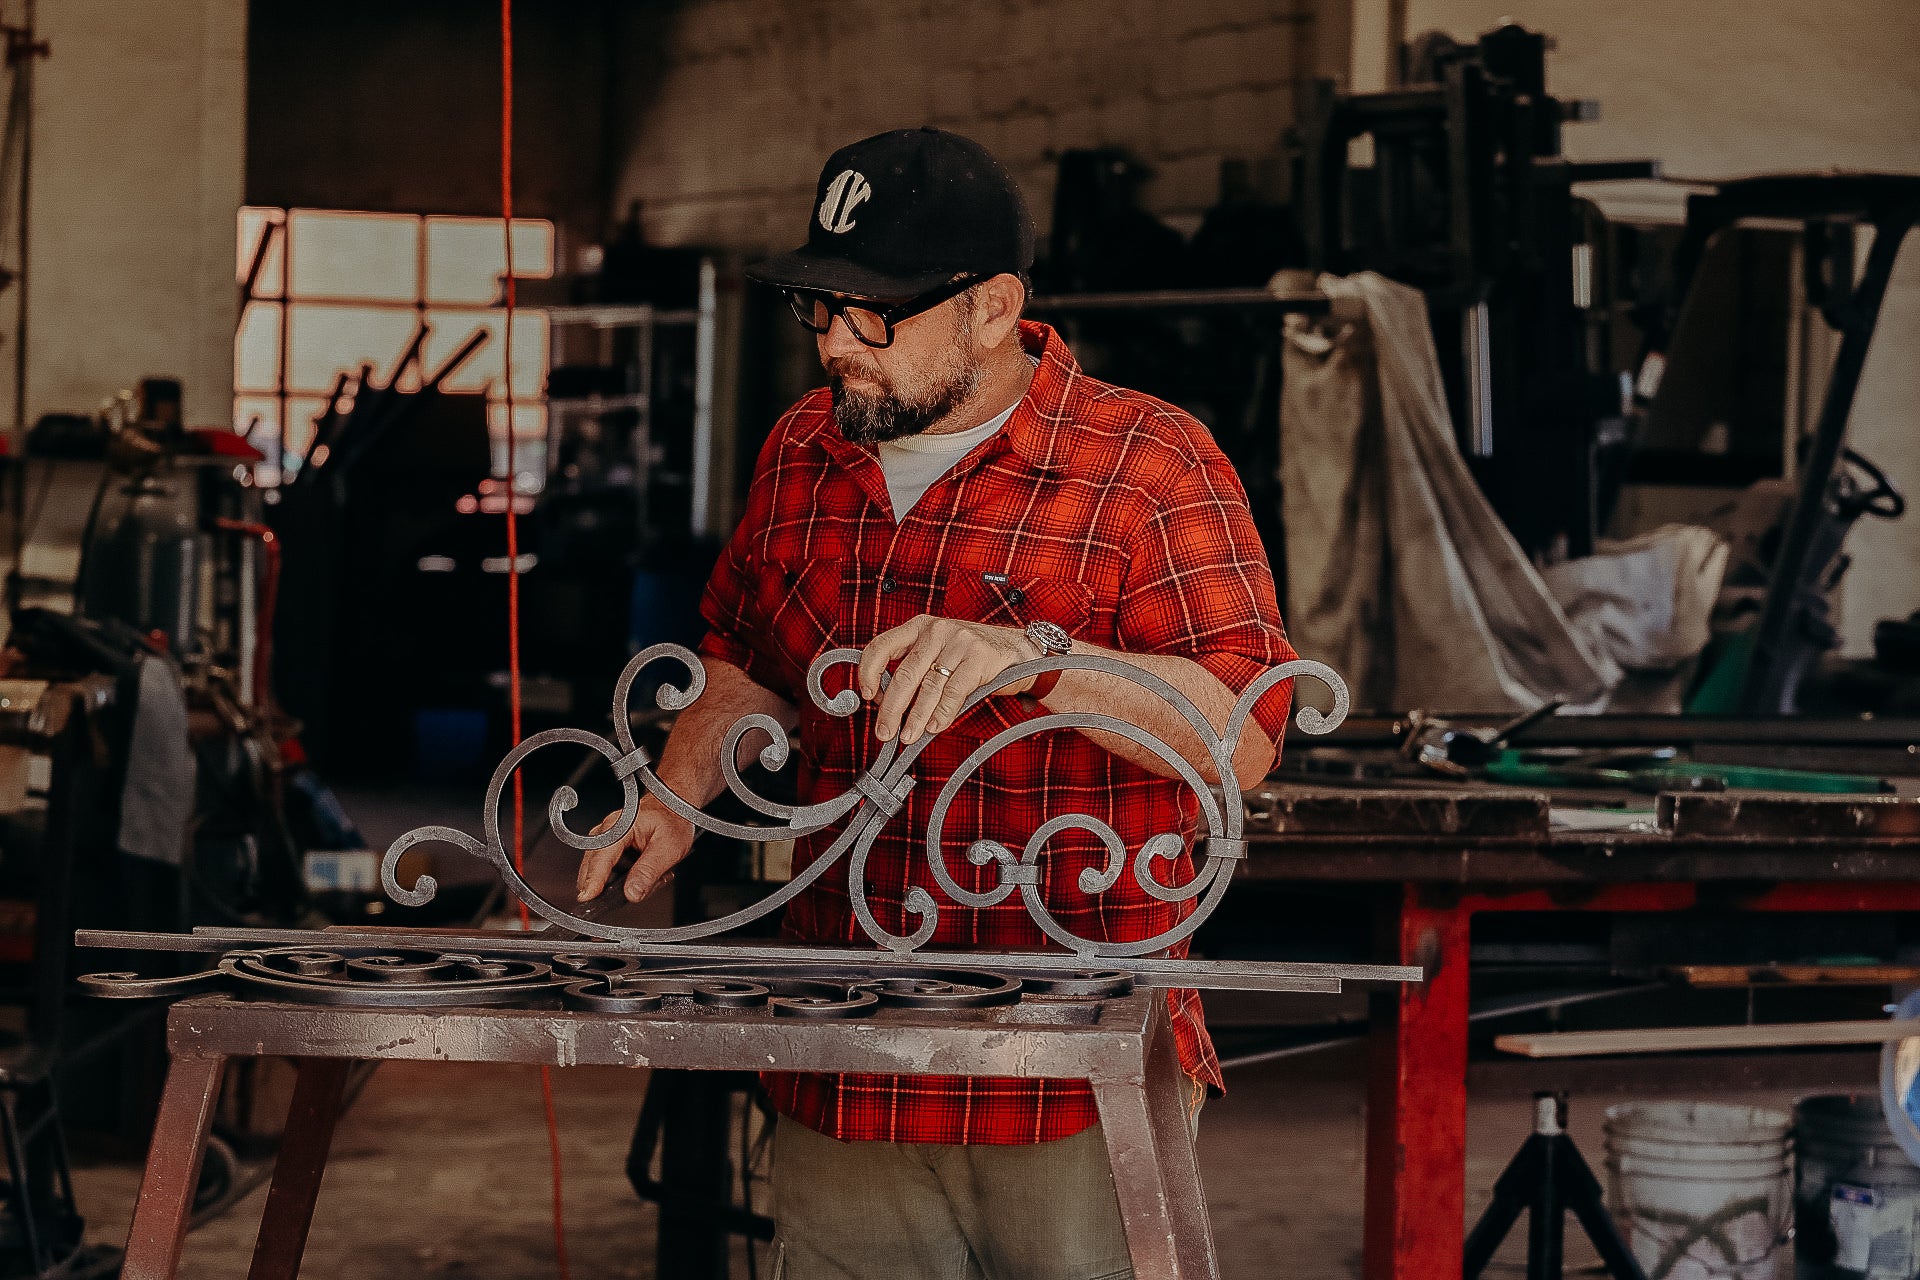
{"points": [[1049, 638]]}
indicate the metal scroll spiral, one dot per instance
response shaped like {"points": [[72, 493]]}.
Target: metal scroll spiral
{"points": [[878, 795], [417, 978]]}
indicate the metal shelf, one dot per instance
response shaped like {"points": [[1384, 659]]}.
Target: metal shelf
{"points": [[598, 404], [644, 320], [1309, 300], [618, 316]]}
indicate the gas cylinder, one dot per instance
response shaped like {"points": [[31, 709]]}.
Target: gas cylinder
{"points": [[143, 565]]}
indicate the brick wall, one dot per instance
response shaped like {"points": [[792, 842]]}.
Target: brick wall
{"points": [[734, 104]]}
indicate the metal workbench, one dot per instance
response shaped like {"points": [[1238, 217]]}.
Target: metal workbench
{"points": [[1439, 858], [1122, 1044]]}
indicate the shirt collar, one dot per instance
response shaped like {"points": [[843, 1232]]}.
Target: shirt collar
{"points": [[1039, 428]]}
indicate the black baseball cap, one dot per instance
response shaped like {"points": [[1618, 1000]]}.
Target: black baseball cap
{"points": [[902, 212]]}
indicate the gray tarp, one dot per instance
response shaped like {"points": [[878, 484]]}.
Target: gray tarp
{"points": [[1400, 575], [157, 800]]}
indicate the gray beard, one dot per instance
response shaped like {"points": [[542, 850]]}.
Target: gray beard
{"points": [[866, 418]]}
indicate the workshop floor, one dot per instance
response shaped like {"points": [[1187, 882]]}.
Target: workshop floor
{"points": [[442, 1170]]}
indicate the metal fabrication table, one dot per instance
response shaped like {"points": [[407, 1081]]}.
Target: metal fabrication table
{"points": [[1441, 858]]}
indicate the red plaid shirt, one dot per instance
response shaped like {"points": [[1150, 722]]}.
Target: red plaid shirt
{"points": [[1105, 511]]}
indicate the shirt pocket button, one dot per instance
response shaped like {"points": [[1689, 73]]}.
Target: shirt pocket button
{"points": [[887, 585], [1016, 596]]}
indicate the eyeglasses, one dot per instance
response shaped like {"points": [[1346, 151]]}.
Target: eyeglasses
{"points": [[869, 319]]}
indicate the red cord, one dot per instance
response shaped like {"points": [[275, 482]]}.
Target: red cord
{"points": [[513, 496], [513, 590]]}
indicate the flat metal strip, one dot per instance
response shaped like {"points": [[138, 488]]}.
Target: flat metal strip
{"points": [[1161, 972]]}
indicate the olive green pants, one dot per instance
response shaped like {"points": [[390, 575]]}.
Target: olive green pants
{"points": [[929, 1211]]}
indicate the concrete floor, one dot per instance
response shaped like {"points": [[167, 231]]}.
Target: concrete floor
{"points": [[442, 1170]]}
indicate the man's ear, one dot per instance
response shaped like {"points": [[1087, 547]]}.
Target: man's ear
{"points": [[997, 307]]}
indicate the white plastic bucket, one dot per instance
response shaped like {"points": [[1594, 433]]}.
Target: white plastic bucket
{"points": [[1704, 1191], [1856, 1194]]}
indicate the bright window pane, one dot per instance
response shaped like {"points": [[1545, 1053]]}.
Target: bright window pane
{"points": [[256, 350], [527, 465], [301, 413], [483, 370], [258, 419], [526, 460], [529, 420], [374, 256], [467, 256], [360, 279], [324, 339], [255, 223]]}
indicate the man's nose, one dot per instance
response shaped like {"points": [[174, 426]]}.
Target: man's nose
{"points": [[838, 341]]}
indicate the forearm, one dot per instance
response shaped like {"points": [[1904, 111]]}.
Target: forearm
{"points": [[1116, 696], [690, 762]]}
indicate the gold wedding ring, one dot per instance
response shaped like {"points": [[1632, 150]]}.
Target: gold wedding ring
{"points": [[945, 672]]}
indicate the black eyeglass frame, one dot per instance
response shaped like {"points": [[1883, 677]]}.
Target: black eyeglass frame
{"points": [[801, 302]]}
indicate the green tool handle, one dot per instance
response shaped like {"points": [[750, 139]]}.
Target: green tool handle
{"points": [[1510, 770]]}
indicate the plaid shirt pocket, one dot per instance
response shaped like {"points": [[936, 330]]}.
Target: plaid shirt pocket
{"points": [[1016, 600], [798, 604]]}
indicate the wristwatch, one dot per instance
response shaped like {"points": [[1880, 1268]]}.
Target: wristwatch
{"points": [[1053, 642]]}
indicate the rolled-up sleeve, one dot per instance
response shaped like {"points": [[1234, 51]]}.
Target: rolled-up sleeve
{"points": [[1198, 586], [728, 607], [732, 606]]}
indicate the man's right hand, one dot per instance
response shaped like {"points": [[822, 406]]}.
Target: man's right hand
{"points": [[660, 837]]}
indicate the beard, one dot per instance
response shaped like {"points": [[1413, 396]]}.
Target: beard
{"points": [[874, 417]]}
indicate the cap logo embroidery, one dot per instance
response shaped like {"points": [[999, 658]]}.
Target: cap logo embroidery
{"points": [[845, 193]]}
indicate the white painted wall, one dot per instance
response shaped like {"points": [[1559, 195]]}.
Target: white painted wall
{"points": [[1715, 89], [139, 133]]}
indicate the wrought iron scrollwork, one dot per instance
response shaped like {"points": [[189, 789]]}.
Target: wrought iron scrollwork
{"points": [[418, 978], [878, 795]]}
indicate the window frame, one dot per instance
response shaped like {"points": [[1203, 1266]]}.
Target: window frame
{"points": [[256, 222]]}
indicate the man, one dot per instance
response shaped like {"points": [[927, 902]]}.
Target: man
{"points": [[958, 491]]}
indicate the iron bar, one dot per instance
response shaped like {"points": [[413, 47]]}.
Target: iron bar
{"points": [[1303, 300], [1156, 972]]}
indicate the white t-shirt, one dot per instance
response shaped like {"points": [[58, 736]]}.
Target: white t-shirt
{"points": [[912, 464]]}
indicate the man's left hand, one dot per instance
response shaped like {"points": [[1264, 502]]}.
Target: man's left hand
{"points": [[941, 663]]}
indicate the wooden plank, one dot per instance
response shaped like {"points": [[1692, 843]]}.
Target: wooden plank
{"points": [[1779, 1035], [1795, 975]]}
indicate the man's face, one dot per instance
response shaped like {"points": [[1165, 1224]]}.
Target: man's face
{"points": [[889, 393]]}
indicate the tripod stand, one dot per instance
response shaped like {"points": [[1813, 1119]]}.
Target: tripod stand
{"points": [[1547, 1177]]}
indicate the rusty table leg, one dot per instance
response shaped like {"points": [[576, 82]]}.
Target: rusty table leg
{"points": [[1417, 1101], [297, 1170], [173, 1169], [1150, 1143]]}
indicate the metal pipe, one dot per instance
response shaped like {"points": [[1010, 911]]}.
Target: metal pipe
{"points": [[23, 69], [1476, 345], [247, 622], [1305, 300], [703, 398]]}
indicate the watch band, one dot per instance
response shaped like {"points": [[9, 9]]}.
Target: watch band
{"points": [[1053, 642]]}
